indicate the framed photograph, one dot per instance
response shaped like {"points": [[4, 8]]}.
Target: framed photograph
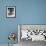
{"points": [[10, 11], [33, 32]]}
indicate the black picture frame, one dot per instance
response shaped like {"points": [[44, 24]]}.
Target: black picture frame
{"points": [[10, 11]]}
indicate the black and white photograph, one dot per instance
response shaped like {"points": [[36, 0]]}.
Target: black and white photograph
{"points": [[11, 11], [30, 34]]}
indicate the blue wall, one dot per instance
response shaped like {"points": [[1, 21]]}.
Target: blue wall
{"points": [[27, 12]]}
